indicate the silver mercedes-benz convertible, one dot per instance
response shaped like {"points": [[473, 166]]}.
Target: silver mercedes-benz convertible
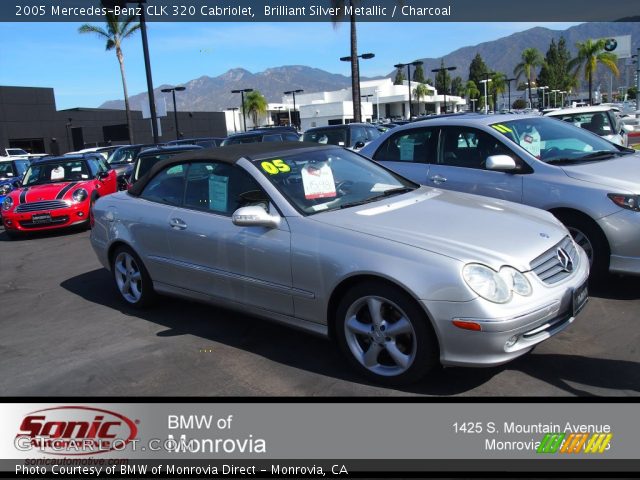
{"points": [[403, 277]]}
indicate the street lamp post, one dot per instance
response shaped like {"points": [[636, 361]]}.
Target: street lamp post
{"points": [[473, 104], [408, 65], [554, 97], [242, 91], [233, 114], [378, 104], [293, 92], [543, 89], [485, 81], [562, 92], [173, 91], [442, 70], [357, 115], [509, 80]]}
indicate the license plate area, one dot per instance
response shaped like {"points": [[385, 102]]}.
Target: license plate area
{"points": [[41, 218], [580, 297]]}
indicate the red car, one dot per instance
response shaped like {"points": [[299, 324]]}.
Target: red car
{"points": [[57, 192]]}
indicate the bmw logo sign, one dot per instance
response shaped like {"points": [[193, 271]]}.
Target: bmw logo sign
{"points": [[610, 44]]}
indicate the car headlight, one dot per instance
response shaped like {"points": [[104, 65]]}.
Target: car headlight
{"points": [[495, 286], [7, 204], [630, 202], [80, 195], [4, 189]]}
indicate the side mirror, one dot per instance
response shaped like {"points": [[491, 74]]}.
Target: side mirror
{"points": [[500, 163], [255, 216], [358, 144], [103, 175]]}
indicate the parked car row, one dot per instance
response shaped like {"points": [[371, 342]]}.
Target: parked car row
{"points": [[455, 240]]}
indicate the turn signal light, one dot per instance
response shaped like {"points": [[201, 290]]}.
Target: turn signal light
{"points": [[467, 325]]}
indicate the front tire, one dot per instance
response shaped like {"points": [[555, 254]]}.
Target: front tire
{"points": [[131, 278], [592, 240], [385, 334]]}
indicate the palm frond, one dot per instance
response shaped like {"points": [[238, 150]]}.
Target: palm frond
{"points": [[88, 28]]}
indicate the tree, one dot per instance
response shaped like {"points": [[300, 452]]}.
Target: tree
{"points": [[631, 93], [421, 91], [477, 69], [471, 90], [418, 74], [519, 104], [254, 104], [443, 79], [457, 87], [399, 77], [115, 32], [555, 69], [591, 53], [498, 86], [531, 59]]}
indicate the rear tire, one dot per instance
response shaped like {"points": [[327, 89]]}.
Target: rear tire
{"points": [[132, 278], [385, 335]]}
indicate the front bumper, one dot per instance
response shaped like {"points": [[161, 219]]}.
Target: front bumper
{"points": [[504, 337], [622, 230], [60, 218]]}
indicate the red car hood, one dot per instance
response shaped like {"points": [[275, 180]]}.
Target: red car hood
{"points": [[49, 191]]}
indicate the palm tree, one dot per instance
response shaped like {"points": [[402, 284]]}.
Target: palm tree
{"points": [[421, 91], [254, 104], [590, 54], [115, 32], [531, 58], [498, 86], [471, 90]]}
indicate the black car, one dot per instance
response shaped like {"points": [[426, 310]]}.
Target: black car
{"points": [[148, 158], [274, 134], [122, 159], [206, 142], [351, 135]]}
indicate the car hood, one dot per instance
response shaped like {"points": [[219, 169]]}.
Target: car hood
{"points": [[49, 191], [621, 173], [470, 228]]}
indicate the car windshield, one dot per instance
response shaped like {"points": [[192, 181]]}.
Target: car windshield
{"points": [[596, 122], [16, 151], [321, 180], [556, 142], [59, 171], [121, 155], [145, 162], [331, 136]]}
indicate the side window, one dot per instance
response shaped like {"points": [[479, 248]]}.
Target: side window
{"points": [[291, 137], [167, 186], [358, 134], [372, 133], [221, 188], [273, 137], [417, 146], [469, 148]]}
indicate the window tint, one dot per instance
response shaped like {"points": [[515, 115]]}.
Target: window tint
{"points": [[94, 166], [272, 138], [372, 133], [167, 186], [358, 134], [469, 148], [330, 136], [291, 137], [221, 188], [418, 146]]}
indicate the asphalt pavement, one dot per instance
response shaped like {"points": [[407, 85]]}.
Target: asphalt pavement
{"points": [[65, 331]]}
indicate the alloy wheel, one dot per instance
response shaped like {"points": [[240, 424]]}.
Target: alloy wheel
{"points": [[128, 277]]}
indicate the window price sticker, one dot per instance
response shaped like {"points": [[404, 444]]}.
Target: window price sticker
{"points": [[318, 182]]}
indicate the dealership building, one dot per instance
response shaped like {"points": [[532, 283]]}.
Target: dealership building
{"points": [[29, 120]]}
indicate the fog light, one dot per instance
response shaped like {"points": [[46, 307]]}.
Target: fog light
{"points": [[511, 342]]}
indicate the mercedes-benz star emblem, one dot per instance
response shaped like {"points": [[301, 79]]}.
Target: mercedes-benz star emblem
{"points": [[565, 260]]}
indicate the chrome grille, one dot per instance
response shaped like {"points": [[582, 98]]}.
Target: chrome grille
{"points": [[44, 205], [548, 266]]}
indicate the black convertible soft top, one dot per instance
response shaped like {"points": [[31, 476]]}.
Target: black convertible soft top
{"points": [[229, 154]]}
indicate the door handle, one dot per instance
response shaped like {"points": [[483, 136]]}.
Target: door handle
{"points": [[177, 224], [438, 179]]}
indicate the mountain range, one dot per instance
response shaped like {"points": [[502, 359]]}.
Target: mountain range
{"points": [[214, 93]]}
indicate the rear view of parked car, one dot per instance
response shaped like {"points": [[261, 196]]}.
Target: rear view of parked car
{"points": [[601, 120], [352, 135], [275, 134]]}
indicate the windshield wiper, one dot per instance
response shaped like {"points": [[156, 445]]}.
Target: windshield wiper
{"points": [[386, 193], [590, 157]]}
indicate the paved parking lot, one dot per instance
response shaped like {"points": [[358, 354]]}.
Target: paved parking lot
{"points": [[64, 331]]}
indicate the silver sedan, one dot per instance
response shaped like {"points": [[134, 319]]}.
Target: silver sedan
{"points": [[403, 277]]}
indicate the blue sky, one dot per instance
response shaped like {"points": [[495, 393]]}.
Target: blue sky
{"points": [[84, 74]]}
